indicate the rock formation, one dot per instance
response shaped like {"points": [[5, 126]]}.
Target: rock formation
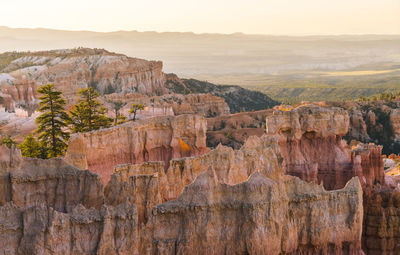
{"points": [[381, 230], [395, 123], [242, 198], [206, 105], [310, 139], [374, 121], [234, 129], [312, 147], [116, 77], [259, 216], [72, 69], [156, 139], [43, 230]]}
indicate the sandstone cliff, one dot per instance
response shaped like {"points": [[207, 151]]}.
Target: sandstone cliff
{"points": [[48, 210], [116, 76], [234, 129], [156, 139], [259, 216], [375, 121], [310, 139], [44, 212], [321, 156], [72, 69], [43, 230]]}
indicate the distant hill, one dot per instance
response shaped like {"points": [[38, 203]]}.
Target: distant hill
{"points": [[237, 98]]}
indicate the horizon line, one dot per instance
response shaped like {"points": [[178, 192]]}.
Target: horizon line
{"points": [[203, 33]]}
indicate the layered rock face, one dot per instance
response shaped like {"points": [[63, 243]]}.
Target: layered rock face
{"points": [[381, 230], [70, 70], [45, 212], [18, 93], [233, 130], [321, 156], [10, 159], [226, 201], [228, 214], [156, 139], [43, 230], [375, 121], [259, 216], [230, 166], [206, 105], [310, 139], [116, 76]]}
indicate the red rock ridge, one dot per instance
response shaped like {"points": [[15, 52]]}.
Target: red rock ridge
{"points": [[155, 139]]}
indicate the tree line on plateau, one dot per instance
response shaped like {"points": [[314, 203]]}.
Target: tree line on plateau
{"points": [[55, 124]]}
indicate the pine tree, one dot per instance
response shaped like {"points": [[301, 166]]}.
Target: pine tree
{"points": [[119, 118], [7, 141], [52, 122], [89, 114], [134, 109], [32, 148]]}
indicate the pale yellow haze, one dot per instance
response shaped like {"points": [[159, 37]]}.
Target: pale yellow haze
{"points": [[290, 17]]}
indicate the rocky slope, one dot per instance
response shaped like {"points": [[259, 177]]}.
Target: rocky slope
{"points": [[259, 216], [375, 121], [238, 99], [72, 69], [312, 147], [244, 203], [156, 139], [310, 137], [234, 129]]}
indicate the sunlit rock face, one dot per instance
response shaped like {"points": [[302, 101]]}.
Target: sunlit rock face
{"points": [[155, 139], [259, 216], [72, 69], [54, 208], [321, 156], [115, 76], [224, 201], [311, 144]]}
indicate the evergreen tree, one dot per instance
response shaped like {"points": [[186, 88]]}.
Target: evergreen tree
{"points": [[52, 121], [32, 148], [134, 109], [89, 114], [117, 105], [7, 141]]}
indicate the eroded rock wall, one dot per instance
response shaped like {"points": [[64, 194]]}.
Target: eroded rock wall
{"points": [[324, 157], [57, 209], [259, 216], [156, 139], [43, 230], [311, 144]]}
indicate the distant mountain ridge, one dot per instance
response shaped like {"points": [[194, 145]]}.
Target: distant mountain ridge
{"points": [[116, 75], [189, 54]]}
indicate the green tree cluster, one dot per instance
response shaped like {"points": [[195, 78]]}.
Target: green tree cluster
{"points": [[388, 97], [89, 114], [54, 123], [7, 141]]}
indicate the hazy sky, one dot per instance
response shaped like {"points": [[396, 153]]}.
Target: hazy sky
{"points": [[213, 16]]}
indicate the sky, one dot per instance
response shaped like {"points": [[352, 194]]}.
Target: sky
{"points": [[282, 17]]}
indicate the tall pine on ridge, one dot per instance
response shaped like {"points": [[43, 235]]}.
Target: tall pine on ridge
{"points": [[52, 122], [89, 114]]}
